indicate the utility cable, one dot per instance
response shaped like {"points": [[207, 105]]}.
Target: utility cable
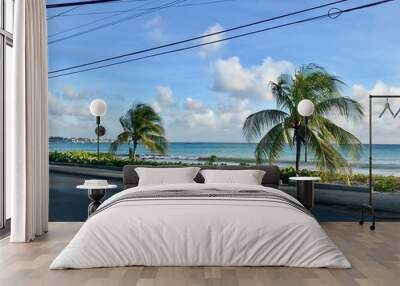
{"points": [[95, 21], [62, 13], [125, 11], [79, 3], [330, 14], [148, 11], [202, 36], [83, 3]]}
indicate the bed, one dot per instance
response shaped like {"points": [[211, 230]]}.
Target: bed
{"points": [[201, 224]]}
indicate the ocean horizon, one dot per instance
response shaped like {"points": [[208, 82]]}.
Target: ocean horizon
{"points": [[386, 157]]}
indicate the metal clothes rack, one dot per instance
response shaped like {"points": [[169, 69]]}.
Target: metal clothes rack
{"points": [[370, 205]]}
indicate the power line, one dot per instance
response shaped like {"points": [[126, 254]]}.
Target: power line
{"points": [[191, 47], [97, 20], [149, 10], [125, 11], [203, 36], [80, 3], [62, 13], [331, 14], [78, 6], [83, 3]]}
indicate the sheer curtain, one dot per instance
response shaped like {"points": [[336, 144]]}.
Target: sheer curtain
{"points": [[26, 124]]}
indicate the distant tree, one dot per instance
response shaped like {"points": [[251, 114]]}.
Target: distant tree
{"points": [[212, 160], [285, 125], [141, 125]]}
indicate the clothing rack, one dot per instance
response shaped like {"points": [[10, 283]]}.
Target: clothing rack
{"points": [[370, 207]]}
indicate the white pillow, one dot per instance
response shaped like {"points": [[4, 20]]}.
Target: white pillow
{"points": [[166, 176], [248, 177]]}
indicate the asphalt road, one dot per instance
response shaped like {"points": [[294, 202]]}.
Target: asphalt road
{"points": [[70, 204]]}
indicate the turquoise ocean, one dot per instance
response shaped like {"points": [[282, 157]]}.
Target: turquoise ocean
{"points": [[386, 158]]}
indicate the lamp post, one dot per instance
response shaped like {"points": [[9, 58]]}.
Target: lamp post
{"points": [[306, 109], [98, 108]]}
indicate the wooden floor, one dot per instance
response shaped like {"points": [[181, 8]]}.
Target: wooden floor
{"points": [[375, 257]]}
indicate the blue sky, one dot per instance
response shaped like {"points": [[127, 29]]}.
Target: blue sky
{"points": [[204, 94]]}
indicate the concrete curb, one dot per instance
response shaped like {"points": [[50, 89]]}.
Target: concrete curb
{"points": [[89, 172]]}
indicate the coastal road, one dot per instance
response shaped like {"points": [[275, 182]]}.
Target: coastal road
{"points": [[69, 204]]}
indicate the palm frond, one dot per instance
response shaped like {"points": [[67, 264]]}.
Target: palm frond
{"points": [[344, 139], [327, 158], [288, 131], [281, 91], [271, 145], [121, 139], [151, 127], [315, 83], [155, 143], [344, 106], [142, 124], [257, 122]]}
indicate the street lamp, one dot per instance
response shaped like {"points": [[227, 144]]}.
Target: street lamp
{"points": [[306, 109], [98, 108]]}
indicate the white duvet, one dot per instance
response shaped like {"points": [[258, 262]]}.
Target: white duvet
{"points": [[200, 231]]}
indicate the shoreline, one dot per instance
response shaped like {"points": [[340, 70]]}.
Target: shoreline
{"points": [[386, 157]]}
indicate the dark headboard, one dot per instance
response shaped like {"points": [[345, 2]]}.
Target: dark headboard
{"points": [[271, 177]]}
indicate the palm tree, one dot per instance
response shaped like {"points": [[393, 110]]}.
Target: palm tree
{"points": [[141, 124], [286, 126]]}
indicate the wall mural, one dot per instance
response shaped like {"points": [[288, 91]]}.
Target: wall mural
{"points": [[184, 82]]}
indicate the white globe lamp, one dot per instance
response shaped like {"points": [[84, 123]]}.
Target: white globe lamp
{"points": [[306, 108], [98, 108]]}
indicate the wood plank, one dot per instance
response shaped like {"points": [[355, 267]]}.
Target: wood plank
{"points": [[375, 257]]}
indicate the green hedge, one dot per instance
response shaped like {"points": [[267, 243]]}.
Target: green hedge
{"points": [[381, 183], [106, 159]]}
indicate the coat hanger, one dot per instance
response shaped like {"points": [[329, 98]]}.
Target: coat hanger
{"points": [[387, 107], [397, 113]]}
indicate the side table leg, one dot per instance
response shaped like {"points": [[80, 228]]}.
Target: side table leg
{"points": [[298, 189], [95, 196], [308, 194]]}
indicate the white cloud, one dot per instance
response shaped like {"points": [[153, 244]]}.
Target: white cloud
{"points": [[231, 77], [193, 104], [203, 119], [153, 22], [153, 28], [212, 48], [59, 107], [156, 106], [385, 129], [221, 117], [70, 92], [165, 95], [234, 114], [165, 98], [69, 112], [197, 122]]}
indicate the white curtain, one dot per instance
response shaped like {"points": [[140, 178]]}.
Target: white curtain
{"points": [[26, 124]]}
